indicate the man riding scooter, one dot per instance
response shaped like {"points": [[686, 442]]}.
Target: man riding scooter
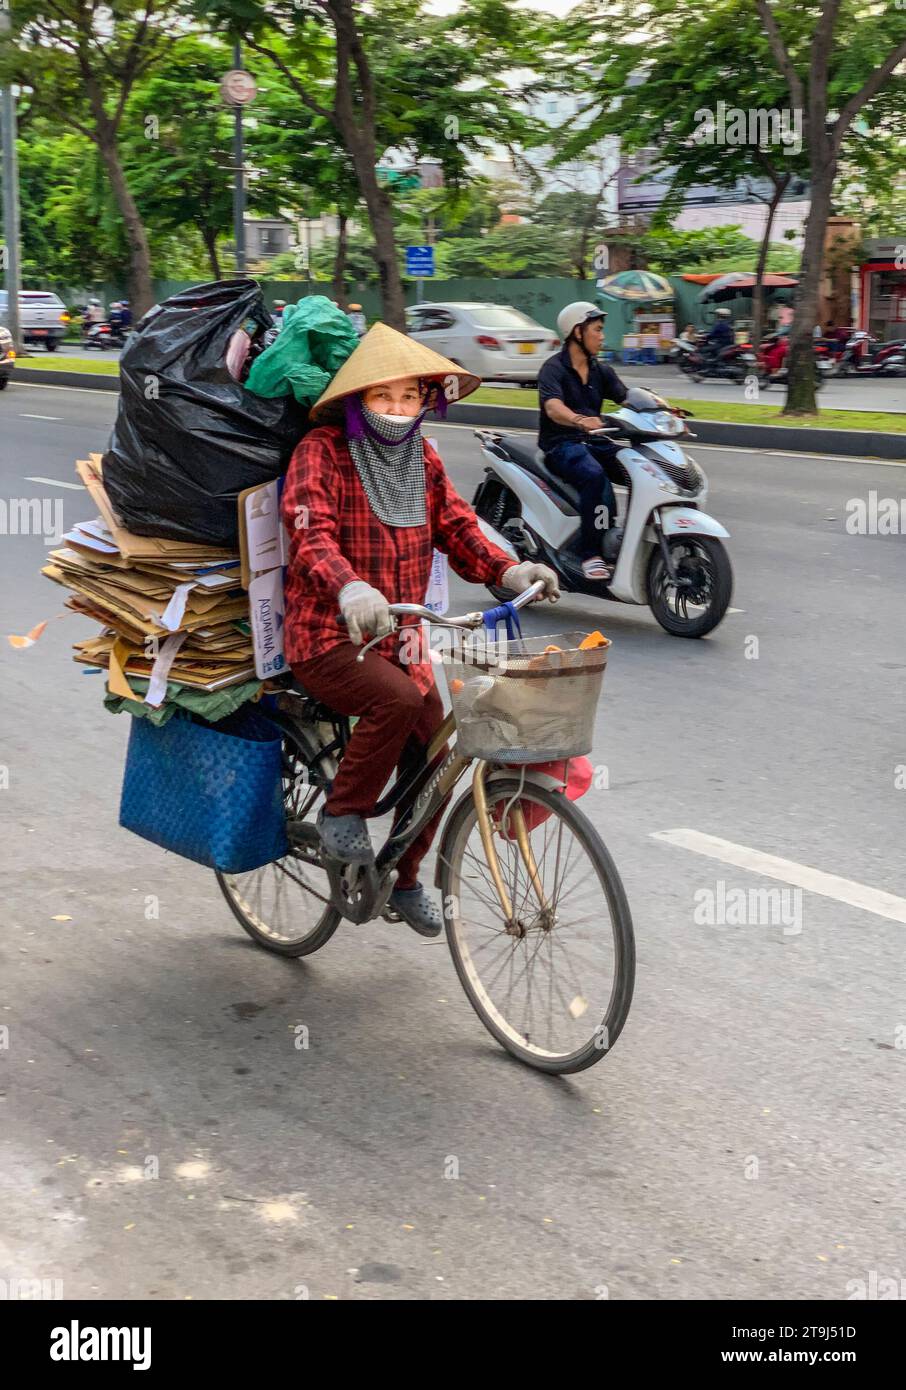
{"points": [[720, 336], [572, 386]]}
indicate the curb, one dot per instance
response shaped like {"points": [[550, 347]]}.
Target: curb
{"points": [[86, 380], [842, 443]]}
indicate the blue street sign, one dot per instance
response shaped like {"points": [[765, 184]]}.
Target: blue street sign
{"points": [[420, 260]]}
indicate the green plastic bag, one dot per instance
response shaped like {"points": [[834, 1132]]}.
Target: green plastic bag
{"points": [[315, 340]]}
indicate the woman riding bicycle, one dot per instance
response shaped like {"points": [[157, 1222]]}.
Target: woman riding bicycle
{"points": [[366, 501]]}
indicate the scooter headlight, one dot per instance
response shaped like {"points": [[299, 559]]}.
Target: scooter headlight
{"points": [[666, 423]]}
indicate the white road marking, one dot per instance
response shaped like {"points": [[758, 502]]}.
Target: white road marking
{"points": [[735, 610], [844, 890], [23, 415], [76, 487]]}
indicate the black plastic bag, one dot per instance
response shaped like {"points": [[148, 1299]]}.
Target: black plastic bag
{"points": [[189, 438]]}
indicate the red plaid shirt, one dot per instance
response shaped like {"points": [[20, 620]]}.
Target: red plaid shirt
{"points": [[335, 538]]}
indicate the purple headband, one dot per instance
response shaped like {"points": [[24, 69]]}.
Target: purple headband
{"points": [[357, 427]]}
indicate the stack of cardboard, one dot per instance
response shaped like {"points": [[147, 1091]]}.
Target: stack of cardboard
{"points": [[171, 610]]}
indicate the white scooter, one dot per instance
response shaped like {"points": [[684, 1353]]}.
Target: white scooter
{"points": [[668, 553]]}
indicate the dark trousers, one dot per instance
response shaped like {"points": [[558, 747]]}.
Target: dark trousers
{"points": [[584, 466], [395, 723]]}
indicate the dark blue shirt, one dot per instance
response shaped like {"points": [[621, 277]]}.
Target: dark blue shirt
{"points": [[558, 380], [721, 334]]}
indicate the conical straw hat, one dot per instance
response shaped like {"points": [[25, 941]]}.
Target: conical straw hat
{"points": [[386, 355]]}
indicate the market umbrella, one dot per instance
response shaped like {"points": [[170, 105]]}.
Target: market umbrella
{"points": [[637, 285], [742, 282]]}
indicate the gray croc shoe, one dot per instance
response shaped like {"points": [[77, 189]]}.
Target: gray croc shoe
{"points": [[417, 909], [345, 838]]}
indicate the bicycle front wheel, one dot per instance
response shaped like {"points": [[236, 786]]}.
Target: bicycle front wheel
{"points": [[553, 983]]}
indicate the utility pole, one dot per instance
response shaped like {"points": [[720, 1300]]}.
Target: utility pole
{"points": [[10, 255]]}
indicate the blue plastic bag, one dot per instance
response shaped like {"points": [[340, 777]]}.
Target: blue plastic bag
{"points": [[211, 793]]}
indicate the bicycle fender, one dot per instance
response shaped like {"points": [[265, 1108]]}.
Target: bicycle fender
{"points": [[502, 774]]}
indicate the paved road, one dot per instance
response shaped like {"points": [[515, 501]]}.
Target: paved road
{"points": [[866, 393], [863, 394], [744, 1137]]}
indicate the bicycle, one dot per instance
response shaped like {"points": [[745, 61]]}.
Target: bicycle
{"points": [[511, 883]]}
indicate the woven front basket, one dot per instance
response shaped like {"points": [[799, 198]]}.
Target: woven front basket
{"points": [[526, 699]]}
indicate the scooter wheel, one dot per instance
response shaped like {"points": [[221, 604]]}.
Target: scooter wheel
{"points": [[694, 608]]}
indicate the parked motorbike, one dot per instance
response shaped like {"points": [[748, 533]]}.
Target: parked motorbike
{"points": [[668, 552], [733, 363], [773, 369], [865, 355]]}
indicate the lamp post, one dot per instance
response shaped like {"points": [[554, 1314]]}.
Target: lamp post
{"points": [[237, 89]]}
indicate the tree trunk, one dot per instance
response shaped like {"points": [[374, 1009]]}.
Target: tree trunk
{"points": [[338, 283], [141, 291], [209, 237], [380, 215], [758, 292], [354, 115], [800, 398]]}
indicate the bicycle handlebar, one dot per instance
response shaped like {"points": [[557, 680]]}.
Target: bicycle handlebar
{"points": [[468, 619]]}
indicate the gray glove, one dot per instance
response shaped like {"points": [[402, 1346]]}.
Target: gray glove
{"points": [[365, 610], [519, 577]]}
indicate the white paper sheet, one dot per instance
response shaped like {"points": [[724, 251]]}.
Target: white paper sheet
{"points": [[157, 682], [91, 542], [174, 612]]}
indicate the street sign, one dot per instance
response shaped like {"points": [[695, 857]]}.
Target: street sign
{"points": [[237, 87], [420, 261]]}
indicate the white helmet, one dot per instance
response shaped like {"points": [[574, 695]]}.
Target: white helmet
{"points": [[583, 311], [724, 313]]}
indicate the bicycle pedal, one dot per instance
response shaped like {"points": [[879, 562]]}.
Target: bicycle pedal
{"points": [[389, 915]]}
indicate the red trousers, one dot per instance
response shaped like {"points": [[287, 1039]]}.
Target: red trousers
{"points": [[395, 723]]}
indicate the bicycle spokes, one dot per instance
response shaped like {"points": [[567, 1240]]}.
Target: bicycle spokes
{"points": [[540, 955]]}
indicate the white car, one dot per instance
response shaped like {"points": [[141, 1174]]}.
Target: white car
{"points": [[495, 341], [42, 317]]}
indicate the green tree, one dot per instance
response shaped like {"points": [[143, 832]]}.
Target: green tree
{"points": [[670, 250], [513, 251], [372, 75], [176, 146], [78, 63], [823, 61], [835, 63], [700, 61]]}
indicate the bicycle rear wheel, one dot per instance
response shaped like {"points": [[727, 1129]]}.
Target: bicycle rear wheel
{"points": [[554, 984], [284, 905]]}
